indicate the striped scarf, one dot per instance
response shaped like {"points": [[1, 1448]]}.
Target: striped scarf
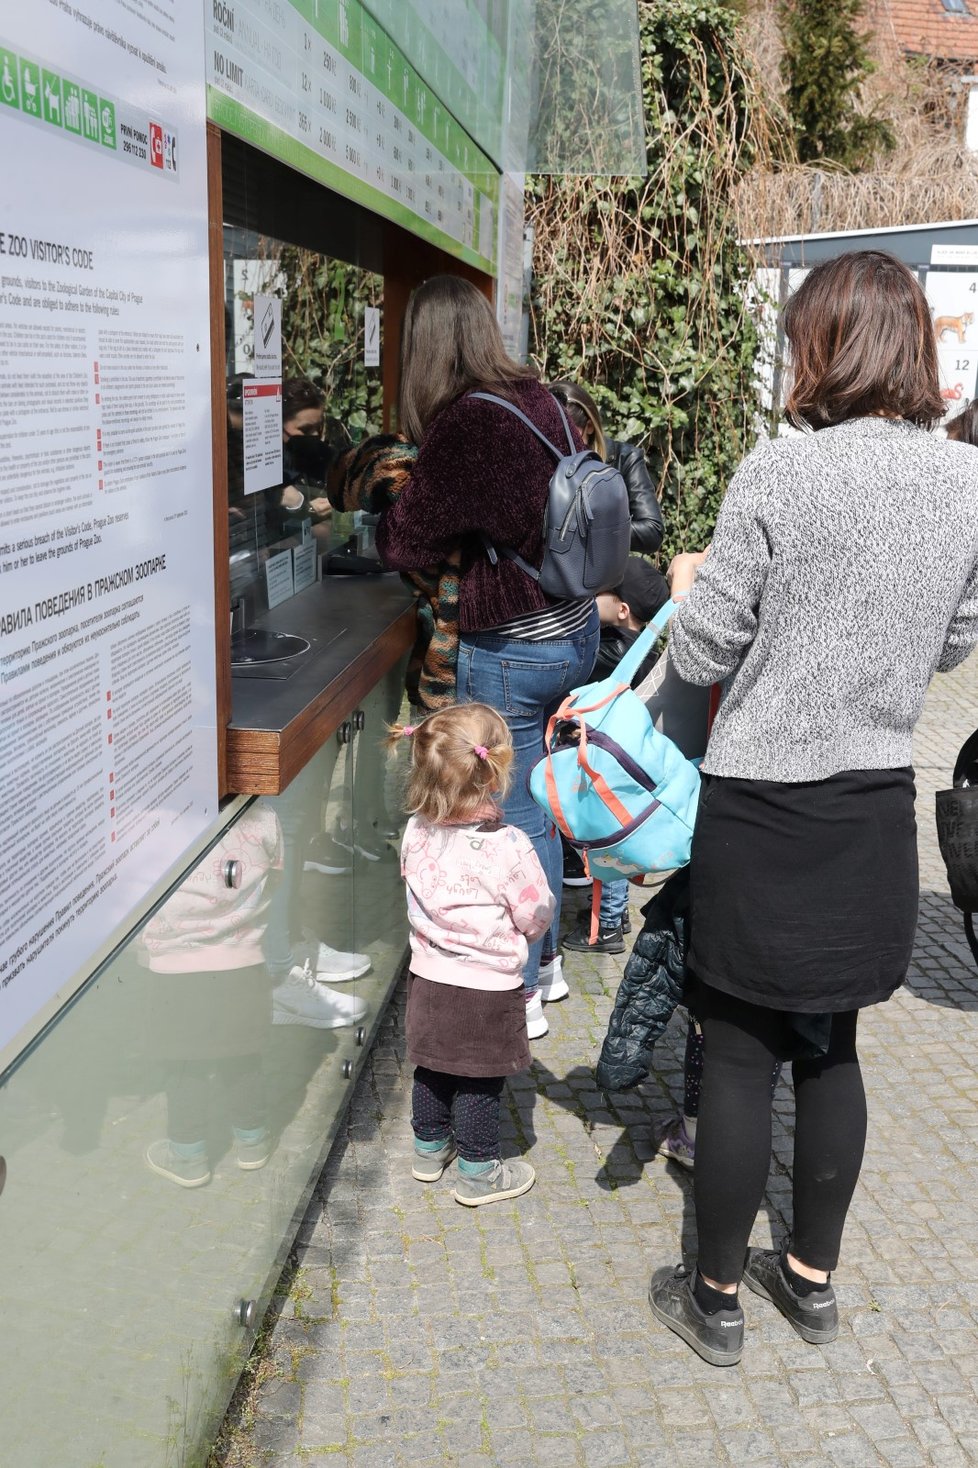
{"points": [[370, 477]]}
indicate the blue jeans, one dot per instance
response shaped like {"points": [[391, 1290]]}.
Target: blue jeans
{"points": [[614, 903], [525, 681]]}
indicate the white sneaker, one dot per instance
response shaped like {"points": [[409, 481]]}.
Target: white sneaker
{"points": [[553, 985], [536, 1025], [333, 967], [300, 1000]]}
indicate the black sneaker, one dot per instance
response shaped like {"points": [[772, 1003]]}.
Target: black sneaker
{"points": [[574, 873], [584, 917], [815, 1317], [717, 1338], [609, 940]]}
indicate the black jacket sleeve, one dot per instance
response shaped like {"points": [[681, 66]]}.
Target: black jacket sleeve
{"points": [[643, 506]]}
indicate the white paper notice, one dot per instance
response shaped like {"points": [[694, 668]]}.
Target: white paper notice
{"points": [[268, 337], [304, 564], [278, 578], [371, 336], [953, 297], [262, 435], [108, 735]]}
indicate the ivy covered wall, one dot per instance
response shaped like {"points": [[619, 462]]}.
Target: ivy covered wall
{"points": [[640, 286]]}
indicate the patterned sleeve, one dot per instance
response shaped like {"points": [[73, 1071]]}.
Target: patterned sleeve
{"points": [[524, 888]]}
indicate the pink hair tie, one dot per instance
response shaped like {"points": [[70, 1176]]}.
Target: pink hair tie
{"points": [[407, 731], [481, 751]]}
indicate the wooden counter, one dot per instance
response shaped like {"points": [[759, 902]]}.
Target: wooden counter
{"points": [[358, 627]]}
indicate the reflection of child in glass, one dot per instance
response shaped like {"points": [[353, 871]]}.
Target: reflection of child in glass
{"points": [[209, 1007], [477, 897]]}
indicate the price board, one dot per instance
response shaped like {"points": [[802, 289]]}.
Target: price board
{"points": [[321, 86]]}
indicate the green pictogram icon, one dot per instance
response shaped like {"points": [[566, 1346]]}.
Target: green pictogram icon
{"points": [[9, 88], [30, 88], [90, 122], [51, 98], [106, 117], [71, 104]]}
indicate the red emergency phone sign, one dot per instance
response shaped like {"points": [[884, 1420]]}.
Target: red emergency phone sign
{"points": [[156, 145]]}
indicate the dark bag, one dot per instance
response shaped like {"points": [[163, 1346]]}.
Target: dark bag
{"points": [[586, 525], [652, 986], [957, 834]]}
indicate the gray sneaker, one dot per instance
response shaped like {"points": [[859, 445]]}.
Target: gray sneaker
{"points": [[815, 1317], [186, 1172], [717, 1338], [501, 1180], [429, 1166]]}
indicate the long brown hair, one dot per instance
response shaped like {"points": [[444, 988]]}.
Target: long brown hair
{"points": [[450, 344], [582, 410], [862, 343]]}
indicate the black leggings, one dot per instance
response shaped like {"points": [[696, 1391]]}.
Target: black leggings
{"points": [[442, 1104], [733, 1136]]}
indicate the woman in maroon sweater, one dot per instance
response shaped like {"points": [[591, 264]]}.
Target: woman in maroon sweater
{"points": [[482, 476]]}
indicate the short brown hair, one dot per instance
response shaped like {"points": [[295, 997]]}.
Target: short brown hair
{"points": [[450, 344], [862, 343], [461, 759], [964, 426]]}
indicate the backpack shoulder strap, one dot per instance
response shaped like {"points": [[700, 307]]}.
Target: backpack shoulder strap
{"points": [[491, 397], [642, 646]]}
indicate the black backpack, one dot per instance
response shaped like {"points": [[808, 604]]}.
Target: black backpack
{"points": [[957, 834], [586, 526]]}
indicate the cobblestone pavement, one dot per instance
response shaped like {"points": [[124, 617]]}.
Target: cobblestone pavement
{"points": [[418, 1332]]}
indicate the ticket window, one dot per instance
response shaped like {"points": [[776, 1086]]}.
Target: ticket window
{"points": [[304, 384]]}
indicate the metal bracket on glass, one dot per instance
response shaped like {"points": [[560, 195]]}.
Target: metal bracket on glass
{"points": [[361, 1034], [246, 1313], [347, 1069], [345, 732], [3, 1172], [358, 720], [231, 872]]}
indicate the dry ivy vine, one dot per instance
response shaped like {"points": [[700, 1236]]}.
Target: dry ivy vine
{"points": [[640, 287]]}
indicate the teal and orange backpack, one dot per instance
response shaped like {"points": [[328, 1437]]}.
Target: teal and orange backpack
{"points": [[621, 793]]}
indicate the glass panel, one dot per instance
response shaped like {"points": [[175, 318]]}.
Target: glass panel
{"points": [[378, 811], [163, 1138], [280, 447], [543, 86]]}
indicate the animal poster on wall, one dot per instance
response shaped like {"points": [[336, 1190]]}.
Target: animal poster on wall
{"points": [[953, 299]]}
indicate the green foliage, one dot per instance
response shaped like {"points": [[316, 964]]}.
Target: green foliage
{"points": [[826, 59], [640, 287], [323, 335]]}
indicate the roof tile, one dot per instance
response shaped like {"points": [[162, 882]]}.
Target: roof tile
{"points": [[925, 28]]}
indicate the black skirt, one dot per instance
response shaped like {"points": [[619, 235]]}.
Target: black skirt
{"points": [[804, 897], [466, 1032]]}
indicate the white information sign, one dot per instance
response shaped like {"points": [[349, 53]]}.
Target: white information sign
{"points": [[262, 412], [954, 254], [268, 336], [953, 298], [108, 733], [278, 578], [371, 336], [509, 289], [304, 562]]}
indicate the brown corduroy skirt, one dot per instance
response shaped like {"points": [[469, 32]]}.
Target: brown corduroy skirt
{"points": [[466, 1032]]}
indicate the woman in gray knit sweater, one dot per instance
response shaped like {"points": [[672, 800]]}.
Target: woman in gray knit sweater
{"points": [[841, 577]]}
